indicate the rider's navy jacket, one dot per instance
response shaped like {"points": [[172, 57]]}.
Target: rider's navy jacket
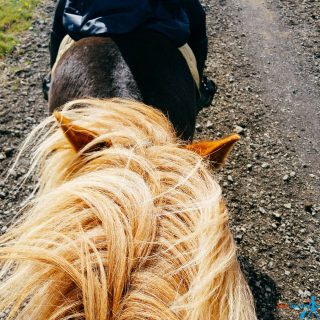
{"points": [[84, 18]]}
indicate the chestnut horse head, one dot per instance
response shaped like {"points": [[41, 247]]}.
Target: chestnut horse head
{"points": [[128, 223]]}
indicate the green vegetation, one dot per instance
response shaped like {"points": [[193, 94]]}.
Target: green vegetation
{"points": [[15, 16]]}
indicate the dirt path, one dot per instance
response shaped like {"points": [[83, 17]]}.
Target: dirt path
{"points": [[265, 58], [286, 82]]}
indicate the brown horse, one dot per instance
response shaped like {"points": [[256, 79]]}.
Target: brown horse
{"points": [[142, 65]]}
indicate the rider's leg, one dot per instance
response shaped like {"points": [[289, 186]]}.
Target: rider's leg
{"points": [[57, 32], [198, 41], [56, 35]]}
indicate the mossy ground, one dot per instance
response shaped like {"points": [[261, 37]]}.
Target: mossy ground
{"points": [[15, 17]]}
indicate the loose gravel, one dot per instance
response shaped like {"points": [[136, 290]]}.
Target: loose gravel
{"points": [[264, 56]]}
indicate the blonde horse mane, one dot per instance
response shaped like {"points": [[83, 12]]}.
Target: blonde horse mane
{"points": [[134, 231]]}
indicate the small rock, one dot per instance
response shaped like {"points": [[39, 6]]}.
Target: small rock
{"points": [[292, 174], [262, 210], [310, 241], [287, 205], [239, 237], [265, 165], [287, 273], [9, 151], [306, 294], [277, 215], [285, 178], [308, 207], [238, 129], [230, 178], [312, 249], [209, 124], [2, 156]]}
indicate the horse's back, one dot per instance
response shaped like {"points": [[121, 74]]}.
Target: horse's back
{"points": [[91, 67], [141, 65]]}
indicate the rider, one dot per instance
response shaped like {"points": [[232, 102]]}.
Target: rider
{"points": [[183, 21]]}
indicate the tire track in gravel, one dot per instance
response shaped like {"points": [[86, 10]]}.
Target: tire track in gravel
{"points": [[288, 86]]}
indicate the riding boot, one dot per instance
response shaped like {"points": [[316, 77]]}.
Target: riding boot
{"points": [[207, 88], [207, 91], [198, 42]]}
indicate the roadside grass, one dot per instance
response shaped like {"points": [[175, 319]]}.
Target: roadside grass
{"points": [[15, 17]]}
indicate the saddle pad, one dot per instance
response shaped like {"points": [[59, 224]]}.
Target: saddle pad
{"points": [[185, 50], [65, 44], [192, 62]]}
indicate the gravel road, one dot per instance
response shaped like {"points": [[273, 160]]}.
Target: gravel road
{"points": [[265, 58]]}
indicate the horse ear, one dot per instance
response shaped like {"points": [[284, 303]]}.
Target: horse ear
{"points": [[77, 136], [217, 150]]}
